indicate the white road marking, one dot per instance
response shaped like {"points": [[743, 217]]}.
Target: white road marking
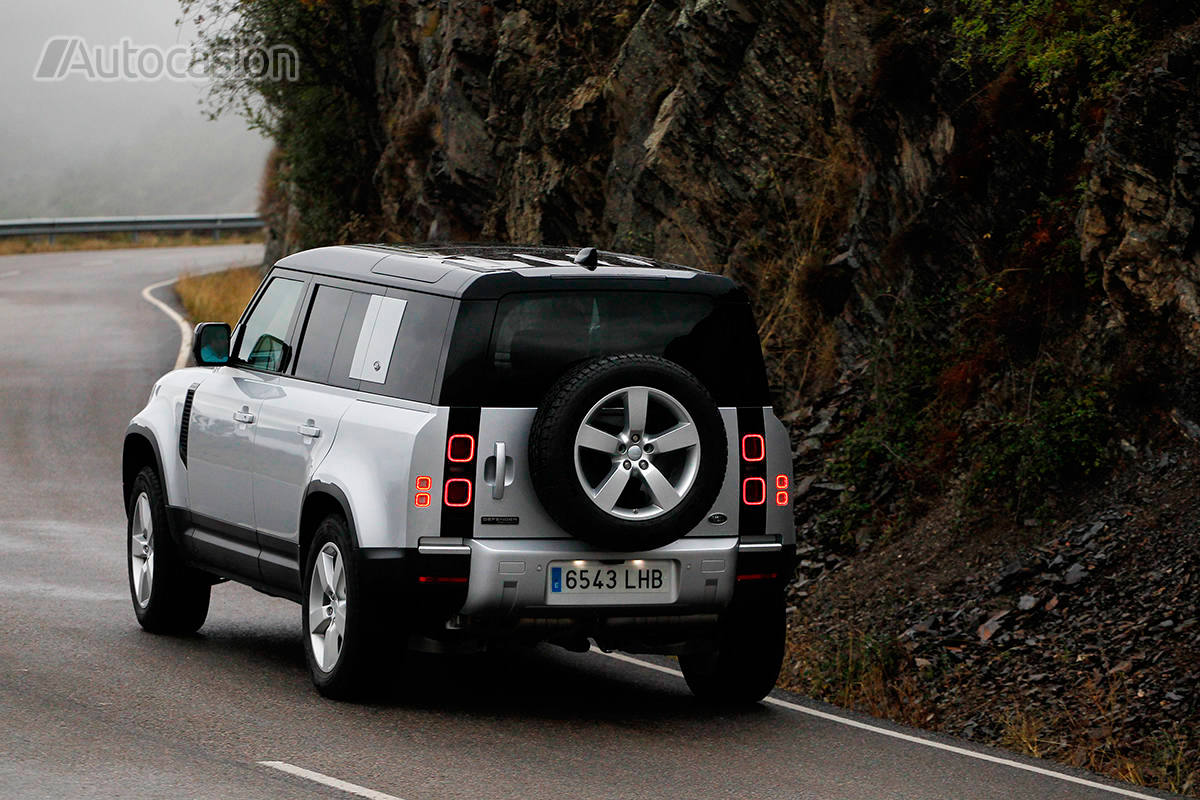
{"points": [[10, 274], [325, 780], [853, 723], [185, 332]]}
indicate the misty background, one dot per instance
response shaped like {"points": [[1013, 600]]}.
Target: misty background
{"points": [[75, 148]]}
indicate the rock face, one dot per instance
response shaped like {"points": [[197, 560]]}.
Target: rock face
{"points": [[828, 154], [1138, 224], [642, 126]]}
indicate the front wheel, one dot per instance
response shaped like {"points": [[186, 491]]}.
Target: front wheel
{"points": [[344, 640], [744, 663], [168, 596]]}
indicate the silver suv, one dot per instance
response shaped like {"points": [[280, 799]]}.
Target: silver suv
{"points": [[454, 448]]}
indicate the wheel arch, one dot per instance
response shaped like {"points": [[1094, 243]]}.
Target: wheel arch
{"points": [[320, 500], [140, 451]]}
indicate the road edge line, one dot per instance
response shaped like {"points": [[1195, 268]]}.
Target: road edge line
{"points": [[326, 780], [185, 332], [853, 723]]}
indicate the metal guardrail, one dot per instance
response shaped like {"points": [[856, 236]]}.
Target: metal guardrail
{"points": [[216, 223]]}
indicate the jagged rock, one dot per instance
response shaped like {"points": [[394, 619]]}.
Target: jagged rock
{"points": [[1138, 222]]}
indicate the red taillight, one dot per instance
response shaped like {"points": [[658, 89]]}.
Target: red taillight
{"points": [[461, 448], [754, 448], [754, 491], [758, 576], [423, 500], [458, 493], [781, 481], [424, 483], [440, 579], [782, 498]]}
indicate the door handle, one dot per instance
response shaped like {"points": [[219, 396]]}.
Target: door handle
{"points": [[501, 471], [309, 431], [244, 416]]}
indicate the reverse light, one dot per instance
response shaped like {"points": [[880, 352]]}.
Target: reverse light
{"points": [[754, 491], [461, 448], [754, 447], [458, 493]]}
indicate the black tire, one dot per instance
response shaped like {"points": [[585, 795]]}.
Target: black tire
{"points": [[365, 643], [744, 664], [178, 594], [552, 451]]}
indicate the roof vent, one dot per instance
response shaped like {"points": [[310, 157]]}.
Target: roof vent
{"points": [[587, 257]]}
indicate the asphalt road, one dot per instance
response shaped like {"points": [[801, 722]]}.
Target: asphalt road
{"points": [[90, 706]]}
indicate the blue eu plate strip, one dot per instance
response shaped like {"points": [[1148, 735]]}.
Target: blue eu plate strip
{"points": [[556, 579]]}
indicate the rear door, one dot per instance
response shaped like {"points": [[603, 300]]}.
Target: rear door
{"points": [[297, 425], [223, 427]]}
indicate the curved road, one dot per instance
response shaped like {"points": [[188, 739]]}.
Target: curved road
{"points": [[90, 706]]}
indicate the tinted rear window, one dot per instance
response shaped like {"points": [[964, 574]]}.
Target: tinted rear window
{"points": [[535, 337]]}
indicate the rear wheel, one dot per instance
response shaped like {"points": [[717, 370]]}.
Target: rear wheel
{"points": [[168, 596], [744, 664], [345, 644]]}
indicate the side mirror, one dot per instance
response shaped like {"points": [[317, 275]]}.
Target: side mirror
{"points": [[210, 344]]}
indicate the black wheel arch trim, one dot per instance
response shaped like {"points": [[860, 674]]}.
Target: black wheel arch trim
{"points": [[138, 431], [334, 491]]}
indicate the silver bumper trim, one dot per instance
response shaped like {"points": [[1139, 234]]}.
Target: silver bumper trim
{"points": [[760, 547]]}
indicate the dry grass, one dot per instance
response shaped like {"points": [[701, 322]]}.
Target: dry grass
{"points": [[19, 245], [876, 676], [218, 296]]}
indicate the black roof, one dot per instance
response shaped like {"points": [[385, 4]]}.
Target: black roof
{"points": [[473, 271]]}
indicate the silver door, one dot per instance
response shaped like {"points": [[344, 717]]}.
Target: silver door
{"points": [[295, 430], [220, 445]]}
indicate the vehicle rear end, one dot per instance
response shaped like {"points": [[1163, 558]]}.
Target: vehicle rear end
{"points": [[612, 466]]}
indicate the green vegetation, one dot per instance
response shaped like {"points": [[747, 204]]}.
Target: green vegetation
{"points": [[1060, 44]]}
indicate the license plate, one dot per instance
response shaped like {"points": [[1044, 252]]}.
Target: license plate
{"points": [[645, 581]]}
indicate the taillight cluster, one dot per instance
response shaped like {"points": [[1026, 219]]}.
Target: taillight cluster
{"points": [[459, 487], [754, 486], [460, 452]]}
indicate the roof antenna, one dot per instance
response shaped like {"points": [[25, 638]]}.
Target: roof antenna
{"points": [[587, 258]]}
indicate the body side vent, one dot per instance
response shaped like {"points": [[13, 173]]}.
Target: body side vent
{"points": [[186, 422]]}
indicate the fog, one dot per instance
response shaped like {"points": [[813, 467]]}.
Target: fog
{"points": [[77, 148]]}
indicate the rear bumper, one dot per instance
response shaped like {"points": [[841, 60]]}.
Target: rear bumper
{"points": [[510, 577]]}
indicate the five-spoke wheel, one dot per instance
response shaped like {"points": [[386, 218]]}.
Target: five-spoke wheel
{"points": [[652, 449], [141, 550], [327, 606], [168, 595]]}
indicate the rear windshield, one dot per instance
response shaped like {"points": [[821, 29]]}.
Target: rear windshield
{"points": [[534, 338]]}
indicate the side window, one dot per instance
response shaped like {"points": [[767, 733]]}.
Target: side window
{"points": [[390, 344], [320, 339], [263, 343]]}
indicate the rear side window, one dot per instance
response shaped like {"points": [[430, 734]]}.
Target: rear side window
{"points": [[536, 337], [263, 338], [386, 344]]}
